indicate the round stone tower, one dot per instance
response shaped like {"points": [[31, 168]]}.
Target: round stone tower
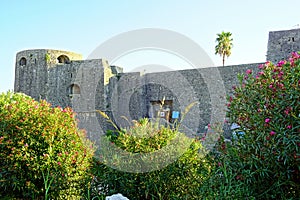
{"points": [[31, 69]]}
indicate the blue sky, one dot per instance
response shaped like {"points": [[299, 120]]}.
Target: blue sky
{"points": [[81, 26]]}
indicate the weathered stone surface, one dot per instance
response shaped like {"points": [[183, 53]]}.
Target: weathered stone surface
{"points": [[282, 43], [64, 79]]}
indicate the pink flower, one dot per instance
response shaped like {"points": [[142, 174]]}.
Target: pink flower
{"points": [[280, 63], [270, 86], [261, 73], [26, 145], [248, 71], [287, 111], [58, 163], [267, 63], [261, 66], [280, 85], [272, 133], [292, 62], [295, 55], [289, 127], [267, 120]]}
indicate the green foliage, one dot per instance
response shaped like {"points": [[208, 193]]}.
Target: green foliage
{"points": [[225, 180], [224, 46], [47, 57], [179, 179], [265, 161], [42, 152]]}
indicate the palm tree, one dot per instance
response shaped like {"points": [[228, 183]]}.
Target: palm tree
{"points": [[224, 46]]}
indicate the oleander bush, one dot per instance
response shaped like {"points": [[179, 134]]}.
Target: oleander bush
{"points": [[148, 161], [225, 180], [43, 155], [263, 163]]}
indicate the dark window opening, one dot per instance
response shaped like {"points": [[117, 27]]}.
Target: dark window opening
{"points": [[23, 61], [74, 89], [63, 59]]}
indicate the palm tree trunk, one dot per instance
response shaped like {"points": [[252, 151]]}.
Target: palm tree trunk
{"points": [[223, 60]]}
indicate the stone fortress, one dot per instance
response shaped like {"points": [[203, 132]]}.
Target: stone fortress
{"points": [[64, 79]]}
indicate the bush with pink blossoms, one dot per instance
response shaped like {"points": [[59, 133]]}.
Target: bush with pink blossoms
{"points": [[267, 107], [43, 154]]}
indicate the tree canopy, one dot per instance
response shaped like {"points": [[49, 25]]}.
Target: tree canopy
{"points": [[224, 46]]}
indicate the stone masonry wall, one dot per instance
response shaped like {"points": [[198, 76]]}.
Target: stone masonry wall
{"points": [[64, 79], [131, 94], [282, 43], [32, 70]]}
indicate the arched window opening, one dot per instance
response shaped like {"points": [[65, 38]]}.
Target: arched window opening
{"points": [[23, 61], [63, 59], [74, 89]]}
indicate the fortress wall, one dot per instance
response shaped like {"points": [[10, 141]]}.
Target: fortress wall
{"points": [[134, 94], [90, 85], [282, 43], [75, 84], [31, 73], [63, 79], [80, 85]]}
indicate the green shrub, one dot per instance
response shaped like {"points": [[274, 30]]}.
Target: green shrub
{"points": [[225, 180], [42, 152], [266, 159], [174, 173]]}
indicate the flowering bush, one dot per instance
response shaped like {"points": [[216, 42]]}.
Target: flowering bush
{"points": [[267, 108], [42, 152]]}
